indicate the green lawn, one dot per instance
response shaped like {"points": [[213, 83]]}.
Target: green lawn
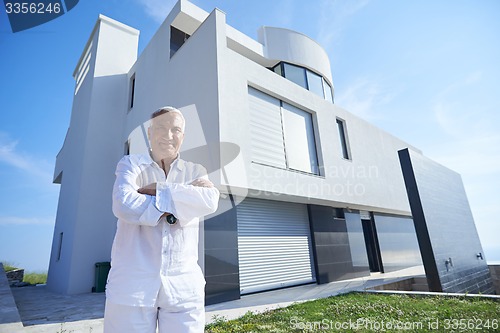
{"points": [[35, 278], [364, 312]]}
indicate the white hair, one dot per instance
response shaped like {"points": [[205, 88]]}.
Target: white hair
{"points": [[167, 109]]}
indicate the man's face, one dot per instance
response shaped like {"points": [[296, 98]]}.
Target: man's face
{"points": [[166, 136]]}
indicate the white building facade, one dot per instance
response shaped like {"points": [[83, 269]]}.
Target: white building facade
{"points": [[310, 192]]}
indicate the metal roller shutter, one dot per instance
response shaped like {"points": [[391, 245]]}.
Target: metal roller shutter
{"points": [[266, 129], [274, 245]]}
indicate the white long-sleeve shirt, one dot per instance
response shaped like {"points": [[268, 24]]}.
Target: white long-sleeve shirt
{"points": [[147, 251]]}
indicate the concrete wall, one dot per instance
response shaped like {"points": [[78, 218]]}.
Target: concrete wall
{"points": [[451, 251]]}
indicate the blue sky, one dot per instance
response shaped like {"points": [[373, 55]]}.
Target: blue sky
{"points": [[426, 71]]}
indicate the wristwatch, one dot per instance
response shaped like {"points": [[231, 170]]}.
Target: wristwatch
{"points": [[171, 219]]}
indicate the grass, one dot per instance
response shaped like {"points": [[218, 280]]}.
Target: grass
{"points": [[35, 278], [363, 312], [8, 267]]}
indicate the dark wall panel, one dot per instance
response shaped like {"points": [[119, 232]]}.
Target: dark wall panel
{"points": [[453, 257], [221, 255], [333, 238], [397, 242]]}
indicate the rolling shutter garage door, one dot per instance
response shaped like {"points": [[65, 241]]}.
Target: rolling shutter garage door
{"points": [[274, 245]]}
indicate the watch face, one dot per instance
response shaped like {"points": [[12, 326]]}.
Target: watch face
{"points": [[171, 219]]}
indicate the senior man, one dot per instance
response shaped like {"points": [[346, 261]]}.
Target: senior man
{"points": [[155, 281]]}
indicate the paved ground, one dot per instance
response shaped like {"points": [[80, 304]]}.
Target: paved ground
{"points": [[44, 312]]}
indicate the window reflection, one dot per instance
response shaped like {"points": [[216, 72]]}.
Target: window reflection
{"points": [[295, 74], [306, 79]]}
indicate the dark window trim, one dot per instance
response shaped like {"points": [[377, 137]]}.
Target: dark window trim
{"points": [[59, 250], [132, 92]]}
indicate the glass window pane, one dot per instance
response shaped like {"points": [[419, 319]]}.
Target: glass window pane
{"points": [[177, 39], [328, 91], [277, 69], [343, 139], [295, 74], [315, 83], [300, 146]]}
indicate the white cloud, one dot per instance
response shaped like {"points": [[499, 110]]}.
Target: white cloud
{"points": [[364, 97], [472, 141], [157, 9], [471, 146], [334, 15], [17, 220], [22, 161]]}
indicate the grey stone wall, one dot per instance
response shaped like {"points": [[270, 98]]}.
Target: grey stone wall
{"points": [[495, 277], [15, 276]]}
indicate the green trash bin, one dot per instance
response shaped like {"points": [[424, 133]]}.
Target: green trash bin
{"points": [[101, 276]]}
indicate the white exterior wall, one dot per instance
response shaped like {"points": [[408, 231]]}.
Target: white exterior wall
{"points": [[86, 163]]}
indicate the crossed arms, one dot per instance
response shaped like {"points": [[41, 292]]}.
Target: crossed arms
{"points": [[146, 205]]}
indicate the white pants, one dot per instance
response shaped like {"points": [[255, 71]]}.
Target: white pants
{"points": [[186, 317]]}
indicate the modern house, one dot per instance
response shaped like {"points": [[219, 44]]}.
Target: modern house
{"points": [[310, 193]]}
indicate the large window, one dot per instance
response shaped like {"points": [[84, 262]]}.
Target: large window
{"points": [[282, 135], [306, 79]]}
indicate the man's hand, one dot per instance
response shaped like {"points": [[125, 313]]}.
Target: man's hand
{"points": [[202, 182], [148, 189]]}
